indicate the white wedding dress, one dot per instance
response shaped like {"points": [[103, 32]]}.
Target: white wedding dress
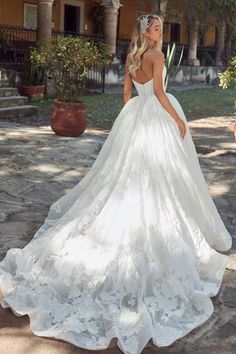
{"points": [[132, 250]]}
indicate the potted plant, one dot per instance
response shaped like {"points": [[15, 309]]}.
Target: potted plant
{"points": [[68, 60], [33, 84]]}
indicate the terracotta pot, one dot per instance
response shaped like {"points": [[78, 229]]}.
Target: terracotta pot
{"points": [[33, 92], [68, 118]]}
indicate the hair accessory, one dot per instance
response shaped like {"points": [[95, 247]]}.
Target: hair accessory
{"points": [[144, 24]]}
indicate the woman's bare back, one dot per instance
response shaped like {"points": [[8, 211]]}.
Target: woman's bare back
{"points": [[145, 71]]}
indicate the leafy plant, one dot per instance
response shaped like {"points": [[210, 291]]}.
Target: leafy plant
{"points": [[170, 59], [68, 60], [228, 76], [34, 74], [5, 43]]}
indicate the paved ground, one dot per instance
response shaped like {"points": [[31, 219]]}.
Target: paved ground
{"points": [[37, 167]]}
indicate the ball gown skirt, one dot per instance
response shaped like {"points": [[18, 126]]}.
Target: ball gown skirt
{"points": [[133, 250]]}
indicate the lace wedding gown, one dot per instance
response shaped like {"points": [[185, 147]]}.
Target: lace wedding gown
{"points": [[132, 250]]}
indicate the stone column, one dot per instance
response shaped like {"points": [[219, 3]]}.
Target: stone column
{"points": [[159, 7], [193, 44], [44, 19], [220, 40], [110, 24]]}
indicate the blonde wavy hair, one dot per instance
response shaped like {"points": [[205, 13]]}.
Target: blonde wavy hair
{"points": [[139, 43]]}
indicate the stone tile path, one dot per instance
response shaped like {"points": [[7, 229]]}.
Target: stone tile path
{"points": [[38, 167]]}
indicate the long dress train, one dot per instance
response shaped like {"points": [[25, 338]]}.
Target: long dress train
{"points": [[133, 250]]}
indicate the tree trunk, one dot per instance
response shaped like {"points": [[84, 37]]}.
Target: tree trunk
{"points": [[220, 41], [193, 43], [44, 19], [156, 7], [159, 7], [227, 53]]}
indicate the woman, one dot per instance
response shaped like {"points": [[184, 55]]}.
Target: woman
{"points": [[132, 251]]}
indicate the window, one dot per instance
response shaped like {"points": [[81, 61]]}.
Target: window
{"points": [[175, 32], [30, 16]]}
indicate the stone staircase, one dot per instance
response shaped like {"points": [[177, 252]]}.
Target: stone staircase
{"points": [[11, 103]]}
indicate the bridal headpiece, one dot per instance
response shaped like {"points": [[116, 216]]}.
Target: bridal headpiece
{"points": [[144, 24]]}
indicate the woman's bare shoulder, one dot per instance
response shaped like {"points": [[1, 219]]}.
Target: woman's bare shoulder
{"points": [[155, 55]]}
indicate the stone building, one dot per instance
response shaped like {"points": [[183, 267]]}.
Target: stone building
{"points": [[114, 20], [84, 16]]}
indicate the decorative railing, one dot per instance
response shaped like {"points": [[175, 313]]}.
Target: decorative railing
{"points": [[15, 43]]}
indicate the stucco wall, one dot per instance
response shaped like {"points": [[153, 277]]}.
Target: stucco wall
{"points": [[127, 17], [12, 11], [209, 38]]}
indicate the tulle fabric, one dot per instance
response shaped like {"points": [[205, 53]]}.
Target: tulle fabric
{"points": [[133, 250]]}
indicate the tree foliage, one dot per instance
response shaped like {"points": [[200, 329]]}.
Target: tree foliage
{"points": [[228, 77], [206, 13]]}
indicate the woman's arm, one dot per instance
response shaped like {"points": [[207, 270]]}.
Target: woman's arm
{"points": [[127, 84], [158, 64]]}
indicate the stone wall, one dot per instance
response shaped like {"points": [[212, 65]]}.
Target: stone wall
{"points": [[10, 78], [191, 74], [114, 76], [182, 74]]}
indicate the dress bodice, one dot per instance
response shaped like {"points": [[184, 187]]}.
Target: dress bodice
{"points": [[147, 88]]}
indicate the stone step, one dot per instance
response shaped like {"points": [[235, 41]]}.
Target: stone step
{"points": [[18, 111], [4, 83], [13, 101], [8, 91], [10, 78]]}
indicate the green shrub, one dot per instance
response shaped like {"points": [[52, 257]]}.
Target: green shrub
{"points": [[68, 60], [228, 76]]}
